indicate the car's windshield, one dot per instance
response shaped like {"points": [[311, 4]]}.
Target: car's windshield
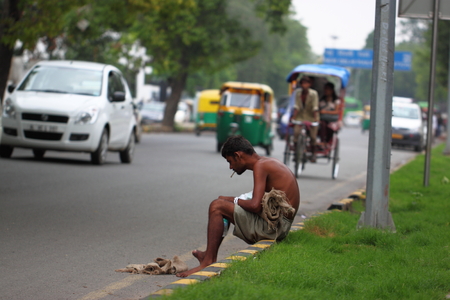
{"points": [[241, 100], [405, 112], [63, 80]]}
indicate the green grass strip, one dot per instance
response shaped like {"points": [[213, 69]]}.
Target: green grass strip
{"points": [[331, 259]]}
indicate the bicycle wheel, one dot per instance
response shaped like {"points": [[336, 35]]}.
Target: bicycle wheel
{"points": [[287, 150], [335, 165], [299, 156]]}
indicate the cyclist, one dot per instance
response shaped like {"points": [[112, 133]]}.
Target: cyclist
{"points": [[306, 108]]}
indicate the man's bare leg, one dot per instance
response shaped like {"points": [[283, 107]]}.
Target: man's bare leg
{"points": [[218, 210]]}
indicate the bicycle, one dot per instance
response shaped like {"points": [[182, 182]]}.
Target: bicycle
{"points": [[302, 150], [298, 150]]}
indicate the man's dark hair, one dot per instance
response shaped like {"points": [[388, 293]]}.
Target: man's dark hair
{"points": [[237, 143]]}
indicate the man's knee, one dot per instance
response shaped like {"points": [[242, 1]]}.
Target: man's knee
{"points": [[217, 205], [221, 206]]}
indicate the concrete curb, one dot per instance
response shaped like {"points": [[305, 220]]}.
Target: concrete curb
{"points": [[216, 268]]}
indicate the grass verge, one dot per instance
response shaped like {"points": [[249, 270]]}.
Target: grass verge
{"points": [[331, 259]]}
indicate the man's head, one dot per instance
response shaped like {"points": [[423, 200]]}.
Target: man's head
{"points": [[234, 149], [237, 143], [305, 82]]}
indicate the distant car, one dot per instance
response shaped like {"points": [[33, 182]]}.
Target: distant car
{"points": [[70, 106], [152, 112], [408, 128], [353, 118]]}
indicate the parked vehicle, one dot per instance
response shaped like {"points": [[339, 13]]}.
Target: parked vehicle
{"points": [[245, 109], [152, 112], [205, 110], [408, 128], [70, 106]]}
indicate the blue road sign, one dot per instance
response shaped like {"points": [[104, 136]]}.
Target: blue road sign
{"points": [[362, 59]]}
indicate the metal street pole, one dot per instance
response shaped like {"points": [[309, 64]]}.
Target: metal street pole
{"points": [[447, 143], [426, 178], [378, 166]]}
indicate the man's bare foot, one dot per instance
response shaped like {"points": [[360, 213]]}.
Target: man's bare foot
{"points": [[191, 271], [200, 255]]}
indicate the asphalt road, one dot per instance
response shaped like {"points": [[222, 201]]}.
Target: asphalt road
{"points": [[66, 225]]}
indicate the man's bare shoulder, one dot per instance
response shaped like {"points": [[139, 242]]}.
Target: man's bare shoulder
{"points": [[270, 163]]}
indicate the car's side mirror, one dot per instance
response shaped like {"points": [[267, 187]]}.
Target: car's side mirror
{"points": [[11, 88], [118, 96]]}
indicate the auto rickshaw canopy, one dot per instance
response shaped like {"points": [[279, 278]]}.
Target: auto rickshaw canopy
{"points": [[236, 86], [208, 101]]}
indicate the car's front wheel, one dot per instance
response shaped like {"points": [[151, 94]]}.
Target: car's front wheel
{"points": [[6, 151], [98, 157], [126, 156]]}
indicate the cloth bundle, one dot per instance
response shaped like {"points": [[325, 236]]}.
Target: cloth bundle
{"points": [[158, 267], [275, 205]]}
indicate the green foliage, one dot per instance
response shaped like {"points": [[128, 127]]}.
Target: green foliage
{"points": [[423, 60], [37, 18], [190, 36], [278, 54]]}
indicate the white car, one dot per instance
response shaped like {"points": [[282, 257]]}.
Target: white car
{"points": [[70, 106], [353, 118], [408, 128]]}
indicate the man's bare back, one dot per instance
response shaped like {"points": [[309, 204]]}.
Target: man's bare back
{"points": [[279, 177]]}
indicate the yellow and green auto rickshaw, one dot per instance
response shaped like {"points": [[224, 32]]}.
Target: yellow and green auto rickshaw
{"points": [[245, 109], [365, 123], [206, 107]]}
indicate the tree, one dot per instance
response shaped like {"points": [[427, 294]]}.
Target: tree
{"points": [[423, 59], [187, 37], [26, 20], [278, 54]]}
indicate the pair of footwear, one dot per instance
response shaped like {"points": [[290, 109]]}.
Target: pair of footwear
{"points": [[313, 158]]}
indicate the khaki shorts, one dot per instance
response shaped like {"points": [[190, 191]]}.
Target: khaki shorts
{"points": [[252, 228]]}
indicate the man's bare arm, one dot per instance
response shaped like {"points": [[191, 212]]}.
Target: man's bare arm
{"points": [[259, 188]]}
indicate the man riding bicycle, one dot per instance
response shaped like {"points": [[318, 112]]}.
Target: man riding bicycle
{"points": [[306, 108]]}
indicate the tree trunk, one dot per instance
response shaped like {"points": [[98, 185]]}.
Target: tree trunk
{"points": [[9, 11], [6, 54], [177, 85]]}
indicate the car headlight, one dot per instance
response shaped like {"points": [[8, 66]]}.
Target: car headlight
{"points": [[87, 116], [9, 111]]}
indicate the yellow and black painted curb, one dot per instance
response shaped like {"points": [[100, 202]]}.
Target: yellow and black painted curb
{"points": [[216, 268], [346, 203]]}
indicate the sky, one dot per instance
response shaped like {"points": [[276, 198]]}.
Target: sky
{"points": [[349, 21]]}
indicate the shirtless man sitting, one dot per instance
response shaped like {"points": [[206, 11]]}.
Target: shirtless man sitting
{"points": [[268, 174]]}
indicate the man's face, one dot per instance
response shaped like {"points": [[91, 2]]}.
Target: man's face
{"points": [[236, 164], [305, 85]]}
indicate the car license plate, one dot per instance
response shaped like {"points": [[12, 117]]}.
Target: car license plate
{"points": [[43, 128], [397, 136]]}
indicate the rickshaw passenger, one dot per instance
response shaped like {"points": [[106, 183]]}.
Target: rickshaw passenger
{"points": [[306, 108], [329, 106]]}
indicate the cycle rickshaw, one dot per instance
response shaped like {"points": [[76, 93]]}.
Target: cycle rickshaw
{"points": [[325, 150]]}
